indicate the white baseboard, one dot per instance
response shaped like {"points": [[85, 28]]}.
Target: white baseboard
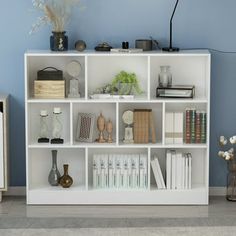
{"points": [[15, 191], [21, 191], [217, 191]]}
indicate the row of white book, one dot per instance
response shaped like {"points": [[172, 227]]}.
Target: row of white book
{"points": [[120, 171], [178, 171]]}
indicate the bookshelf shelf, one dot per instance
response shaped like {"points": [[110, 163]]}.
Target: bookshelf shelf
{"points": [[187, 67]]}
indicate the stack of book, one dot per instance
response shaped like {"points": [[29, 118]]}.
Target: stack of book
{"points": [[178, 171], [195, 126], [174, 122], [120, 171], [144, 126]]}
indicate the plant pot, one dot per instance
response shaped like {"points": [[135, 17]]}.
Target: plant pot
{"points": [[59, 41], [231, 181], [126, 89]]}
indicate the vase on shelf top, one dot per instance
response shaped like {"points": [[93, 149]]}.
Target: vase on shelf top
{"points": [[66, 181], [165, 77], [231, 181], [59, 41], [54, 174]]}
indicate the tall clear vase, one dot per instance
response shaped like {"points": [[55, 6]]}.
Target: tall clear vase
{"points": [[231, 181]]}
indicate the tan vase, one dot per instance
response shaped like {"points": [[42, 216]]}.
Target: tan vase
{"points": [[109, 128], [66, 181], [101, 125]]}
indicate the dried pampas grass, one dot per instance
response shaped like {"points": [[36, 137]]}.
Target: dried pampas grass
{"points": [[56, 13]]}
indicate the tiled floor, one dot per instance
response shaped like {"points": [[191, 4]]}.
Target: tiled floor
{"points": [[14, 214]]}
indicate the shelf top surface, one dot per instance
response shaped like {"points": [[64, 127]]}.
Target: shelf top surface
{"points": [[94, 53]]}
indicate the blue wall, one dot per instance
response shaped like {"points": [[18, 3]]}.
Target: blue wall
{"points": [[198, 23]]}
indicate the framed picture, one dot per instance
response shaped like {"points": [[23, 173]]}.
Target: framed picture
{"points": [[85, 127]]}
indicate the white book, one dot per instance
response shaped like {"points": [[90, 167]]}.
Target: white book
{"points": [[103, 171], [183, 172], [169, 128], [95, 171], [178, 170], [135, 171], [111, 171], [168, 169], [129, 161], [173, 170], [156, 174], [178, 127], [143, 171], [122, 169], [99, 175], [1, 152], [189, 171], [106, 159], [160, 172], [130, 50], [125, 172], [118, 171], [186, 171]]}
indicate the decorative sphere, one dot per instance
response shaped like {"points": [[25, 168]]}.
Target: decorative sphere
{"points": [[80, 45]]}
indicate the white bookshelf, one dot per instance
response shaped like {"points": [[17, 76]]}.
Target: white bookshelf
{"points": [[4, 152], [187, 67]]}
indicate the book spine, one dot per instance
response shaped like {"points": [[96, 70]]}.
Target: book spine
{"points": [[203, 126], [198, 127], [169, 128], [95, 172], [193, 127], [146, 126], [135, 127], [188, 126], [168, 170], [152, 127]]}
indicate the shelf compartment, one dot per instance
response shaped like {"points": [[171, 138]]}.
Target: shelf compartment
{"points": [[186, 70], [181, 107], [36, 63], [34, 122], [40, 163], [103, 69], [157, 109], [109, 112], [108, 151], [199, 165]]}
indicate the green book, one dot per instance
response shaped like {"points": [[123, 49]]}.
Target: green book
{"points": [[193, 125], [203, 126]]}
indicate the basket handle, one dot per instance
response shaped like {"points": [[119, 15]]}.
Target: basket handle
{"points": [[50, 67]]}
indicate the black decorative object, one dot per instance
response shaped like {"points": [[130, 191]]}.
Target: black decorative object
{"points": [[125, 45], [80, 45], [103, 47], [59, 41], [170, 48], [50, 73], [176, 91]]}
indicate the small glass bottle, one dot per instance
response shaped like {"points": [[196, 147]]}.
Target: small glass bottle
{"points": [[43, 133], [57, 126], [231, 181], [165, 77]]}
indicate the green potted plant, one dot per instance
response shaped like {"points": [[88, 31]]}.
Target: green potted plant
{"points": [[125, 83]]}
